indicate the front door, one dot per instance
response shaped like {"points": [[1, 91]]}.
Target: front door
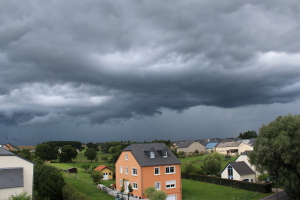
{"points": [[126, 186], [105, 176]]}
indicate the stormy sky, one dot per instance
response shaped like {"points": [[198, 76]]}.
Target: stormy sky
{"points": [[143, 70]]}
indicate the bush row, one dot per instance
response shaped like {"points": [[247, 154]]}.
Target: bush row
{"points": [[256, 187], [69, 193]]}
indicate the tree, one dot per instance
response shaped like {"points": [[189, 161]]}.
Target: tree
{"points": [[48, 181], [248, 135], [212, 163], [154, 194], [67, 154], [25, 153], [46, 151], [277, 150], [181, 154], [92, 145], [90, 153], [97, 176], [189, 169]]}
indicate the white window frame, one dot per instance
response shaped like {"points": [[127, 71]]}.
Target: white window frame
{"points": [[159, 185], [134, 186], [134, 171], [126, 170], [152, 154], [165, 153], [126, 156], [121, 169], [169, 169], [158, 170], [171, 184]]}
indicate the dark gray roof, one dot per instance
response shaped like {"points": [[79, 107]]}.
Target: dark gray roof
{"points": [[186, 144], [11, 177], [4, 152], [241, 168], [141, 154], [229, 144]]}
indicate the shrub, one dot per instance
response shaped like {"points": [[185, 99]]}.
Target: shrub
{"points": [[22, 196], [69, 193]]}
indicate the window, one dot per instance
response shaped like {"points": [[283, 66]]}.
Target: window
{"points": [[165, 153], [121, 170], [126, 156], [230, 172], [152, 154], [170, 184], [157, 185], [156, 171], [126, 170], [170, 170], [134, 186], [134, 171]]}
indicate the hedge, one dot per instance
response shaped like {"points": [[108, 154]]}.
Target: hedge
{"points": [[256, 187]]}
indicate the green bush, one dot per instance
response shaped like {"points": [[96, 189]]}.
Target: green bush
{"points": [[22, 196], [69, 193], [256, 187]]}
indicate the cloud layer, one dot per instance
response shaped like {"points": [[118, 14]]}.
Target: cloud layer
{"points": [[95, 62]]}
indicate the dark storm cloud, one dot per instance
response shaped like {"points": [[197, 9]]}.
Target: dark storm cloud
{"points": [[108, 61]]}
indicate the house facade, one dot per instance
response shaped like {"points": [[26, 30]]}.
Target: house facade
{"points": [[241, 169], [146, 165], [232, 148], [16, 174], [189, 147]]}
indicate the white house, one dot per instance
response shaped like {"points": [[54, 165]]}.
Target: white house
{"points": [[16, 174], [241, 169]]}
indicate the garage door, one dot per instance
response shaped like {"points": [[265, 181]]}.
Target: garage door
{"points": [[171, 197]]}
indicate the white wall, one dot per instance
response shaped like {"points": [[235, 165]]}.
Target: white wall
{"points": [[14, 161]]}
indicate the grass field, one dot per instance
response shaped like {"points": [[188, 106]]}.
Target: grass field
{"points": [[191, 190], [197, 161], [195, 190]]}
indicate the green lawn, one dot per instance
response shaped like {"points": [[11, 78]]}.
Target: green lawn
{"points": [[195, 190], [197, 161]]}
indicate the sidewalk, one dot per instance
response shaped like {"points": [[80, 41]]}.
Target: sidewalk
{"points": [[115, 192], [281, 195]]}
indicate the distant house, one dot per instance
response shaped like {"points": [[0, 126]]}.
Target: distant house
{"points": [[106, 171], [241, 169], [149, 165], [16, 174], [31, 148], [9, 147], [210, 147], [232, 148], [72, 170], [189, 147]]}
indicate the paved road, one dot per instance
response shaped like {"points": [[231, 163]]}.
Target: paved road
{"points": [[281, 195]]}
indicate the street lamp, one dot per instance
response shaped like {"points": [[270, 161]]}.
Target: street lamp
{"points": [[269, 179]]}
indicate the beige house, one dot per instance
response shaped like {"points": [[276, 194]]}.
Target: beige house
{"points": [[232, 148], [16, 174], [189, 147], [241, 169]]}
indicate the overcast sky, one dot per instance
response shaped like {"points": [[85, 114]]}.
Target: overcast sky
{"points": [[95, 71]]}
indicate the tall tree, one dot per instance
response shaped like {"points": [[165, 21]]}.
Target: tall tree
{"points": [[277, 150], [90, 153], [67, 154], [48, 181], [248, 135], [212, 163], [46, 151]]}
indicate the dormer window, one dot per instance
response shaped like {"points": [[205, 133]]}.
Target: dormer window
{"points": [[165, 153], [152, 154]]}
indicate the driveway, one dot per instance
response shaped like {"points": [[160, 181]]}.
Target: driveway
{"points": [[281, 195]]}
